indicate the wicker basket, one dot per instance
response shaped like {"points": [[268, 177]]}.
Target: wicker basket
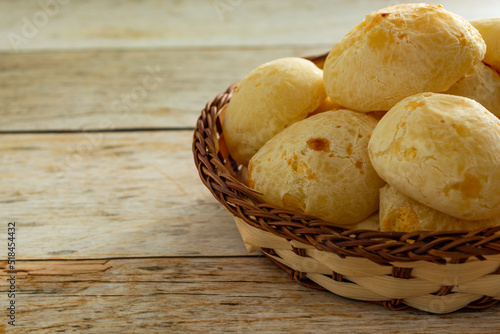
{"points": [[437, 272]]}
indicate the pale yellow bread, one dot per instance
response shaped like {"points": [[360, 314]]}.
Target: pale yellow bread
{"points": [[399, 51], [480, 83], [268, 99], [400, 213], [489, 28], [443, 151], [320, 166], [326, 105], [369, 223]]}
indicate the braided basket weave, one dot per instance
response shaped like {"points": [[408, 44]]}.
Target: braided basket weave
{"points": [[437, 272]]}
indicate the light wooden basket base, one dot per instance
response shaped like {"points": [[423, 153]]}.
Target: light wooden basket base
{"points": [[425, 286]]}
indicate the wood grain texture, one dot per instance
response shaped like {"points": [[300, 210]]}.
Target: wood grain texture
{"points": [[134, 89], [215, 295], [64, 24], [102, 195], [115, 231]]}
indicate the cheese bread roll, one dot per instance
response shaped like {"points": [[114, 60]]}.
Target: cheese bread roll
{"points": [[268, 99], [489, 28], [320, 166], [443, 151], [399, 51], [480, 83], [400, 213]]}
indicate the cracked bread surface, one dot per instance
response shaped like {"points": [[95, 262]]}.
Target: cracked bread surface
{"points": [[442, 151], [399, 51], [271, 97], [400, 213], [480, 83], [320, 166]]}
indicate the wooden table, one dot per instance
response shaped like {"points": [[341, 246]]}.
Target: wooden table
{"points": [[114, 230]]}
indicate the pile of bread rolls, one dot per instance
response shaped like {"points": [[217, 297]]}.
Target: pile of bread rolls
{"points": [[401, 123]]}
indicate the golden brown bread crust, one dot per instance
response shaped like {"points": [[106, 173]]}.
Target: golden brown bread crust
{"points": [[268, 99], [480, 83], [320, 166], [400, 213], [443, 151], [400, 51]]}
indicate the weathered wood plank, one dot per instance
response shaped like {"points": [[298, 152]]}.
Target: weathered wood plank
{"points": [[121, 89], [102, 195], [180, 295], [158, 88], [63, 24]]}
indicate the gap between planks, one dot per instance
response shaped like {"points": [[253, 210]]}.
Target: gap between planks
{"points": [[223, 295], [48, 131], [100, 90], [253, 255], [110, 195]]}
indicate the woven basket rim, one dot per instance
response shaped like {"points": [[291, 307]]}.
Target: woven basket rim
{"points": [[219, 174]]}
